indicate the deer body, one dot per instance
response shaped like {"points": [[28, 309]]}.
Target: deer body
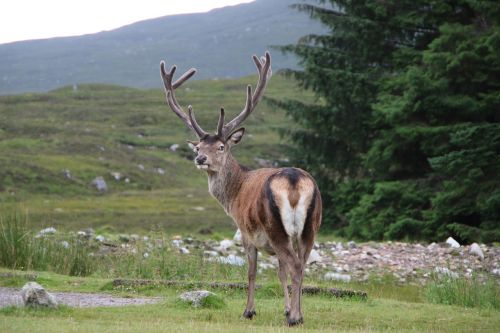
{"points": [[278, 210]]}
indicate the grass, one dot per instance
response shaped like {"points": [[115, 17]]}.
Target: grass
{"points": [[322, 314], [101, 129], [464, 292], [389, 307]]}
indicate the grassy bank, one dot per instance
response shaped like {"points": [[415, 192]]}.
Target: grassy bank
{"points": [[54, 144], [322, 313]]}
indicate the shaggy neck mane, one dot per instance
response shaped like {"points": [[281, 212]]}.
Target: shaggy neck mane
{"points": [[225, 184]]}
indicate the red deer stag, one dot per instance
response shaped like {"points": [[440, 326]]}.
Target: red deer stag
{"points": [[277, 209]]}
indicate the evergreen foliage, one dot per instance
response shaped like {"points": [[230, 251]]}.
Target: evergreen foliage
{"points": [[404, 139]]}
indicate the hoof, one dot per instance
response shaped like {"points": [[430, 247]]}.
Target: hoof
{"points": [[294, 322], [249, 314]]}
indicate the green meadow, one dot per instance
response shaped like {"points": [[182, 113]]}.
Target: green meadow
{"points": [[53, 145]]}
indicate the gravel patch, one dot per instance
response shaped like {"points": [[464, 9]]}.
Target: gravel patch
{"points": [[11, 296]]}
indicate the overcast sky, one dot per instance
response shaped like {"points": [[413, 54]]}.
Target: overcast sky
{"points": [[32, 19]]}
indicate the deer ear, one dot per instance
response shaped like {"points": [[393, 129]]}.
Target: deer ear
{"points": [[193, 144], [235, 137]]}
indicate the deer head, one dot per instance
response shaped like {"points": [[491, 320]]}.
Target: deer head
{"points": [[213, 149]]}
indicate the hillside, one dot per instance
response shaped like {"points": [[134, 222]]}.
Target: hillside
{"points": [[54, 144], [219, 43]]}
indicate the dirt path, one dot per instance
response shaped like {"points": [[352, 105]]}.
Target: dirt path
{"points": [[11, 296]]}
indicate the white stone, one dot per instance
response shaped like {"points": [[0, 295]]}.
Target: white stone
{"points": [[313, 257], [337, 277], [452, 243], [100, 238], [100, 184], [496, 271], [230, 260], [237, 237], [196, 297], [352, 244], [33, 294], [47, 231], [177, 242], [225, 244], [443, 271], [210, 253], [116, 175], [476, 250], [174, 147], [184, 250], [65, 244]]}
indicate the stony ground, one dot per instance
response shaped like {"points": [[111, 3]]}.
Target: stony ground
{"points": [[11, 296], [350, 261]]}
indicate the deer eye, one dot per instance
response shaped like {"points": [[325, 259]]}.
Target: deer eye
{"points": [[196, 149], [221, 148]]}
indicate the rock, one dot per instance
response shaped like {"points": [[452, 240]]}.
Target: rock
{"points": [[476, 250], [352, 245], [177, 242], [116, 175], [100, 184], [337, 277], [160, 171], [67, 173], [184, 250], [237, 237], [140, 166], [445, 272], [100, 238], [47, 231], [65, 244], [33, 294], [225, 244], [145, 255], [230, 260], [452, 243], [432, 246], [195, 298], [313, 257], [210, 253], [174, 147], [496, 271]]}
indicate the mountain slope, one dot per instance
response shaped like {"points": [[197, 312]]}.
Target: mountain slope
{"points": [[218, 43]]}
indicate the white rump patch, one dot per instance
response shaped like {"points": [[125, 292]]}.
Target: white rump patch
{"points": [[293, 218]]}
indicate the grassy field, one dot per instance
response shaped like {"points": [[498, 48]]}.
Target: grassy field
{"points": [[85, 265], [382, 312], [97, 130]]}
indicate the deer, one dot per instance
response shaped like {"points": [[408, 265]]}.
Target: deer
{"points": [[277, 210]]}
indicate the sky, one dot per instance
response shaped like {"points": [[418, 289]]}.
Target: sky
{"points": [[33, 19]]}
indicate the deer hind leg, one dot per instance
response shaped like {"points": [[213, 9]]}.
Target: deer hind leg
{"points": [[252, 272], [282, 274], [287, 255]]}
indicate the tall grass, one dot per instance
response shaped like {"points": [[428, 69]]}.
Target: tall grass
{"points": [[21, 249], [463, 292]]}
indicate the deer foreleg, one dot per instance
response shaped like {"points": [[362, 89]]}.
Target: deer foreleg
{"points": [[252, 272]]}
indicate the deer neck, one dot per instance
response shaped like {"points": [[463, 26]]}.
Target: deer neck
{"points": [[225, 184]]}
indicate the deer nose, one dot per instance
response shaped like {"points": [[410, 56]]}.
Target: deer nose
{"points": [[201, 159]]}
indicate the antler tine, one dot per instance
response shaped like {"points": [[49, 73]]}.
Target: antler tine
{"points": [[199, 131], [170, 96], [220, 124], [264, 69]]}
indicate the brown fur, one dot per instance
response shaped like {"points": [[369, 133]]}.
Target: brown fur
{"points": [[277, 210]]}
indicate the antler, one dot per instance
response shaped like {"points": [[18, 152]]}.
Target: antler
{"points": [[172, 101], [264, 68]]}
